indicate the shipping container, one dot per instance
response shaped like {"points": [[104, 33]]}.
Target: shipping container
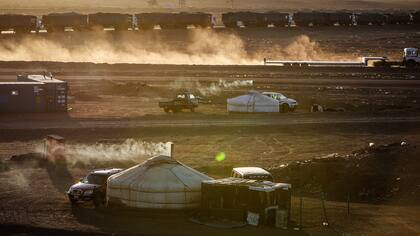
{"points": [[33, 93]]}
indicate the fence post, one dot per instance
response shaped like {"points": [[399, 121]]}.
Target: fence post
{"points": [[300, 210], [325, 223], [348, 203]]}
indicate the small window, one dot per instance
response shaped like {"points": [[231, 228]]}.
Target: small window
{"points": [[15, 93]]}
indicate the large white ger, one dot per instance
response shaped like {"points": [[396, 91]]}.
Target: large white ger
{"points": [[252, 102], [160, 182]]}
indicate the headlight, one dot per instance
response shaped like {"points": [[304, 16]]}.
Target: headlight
{"points": [[88, 192]]}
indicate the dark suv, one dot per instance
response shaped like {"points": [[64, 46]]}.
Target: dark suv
{"points": [[92, 187]]}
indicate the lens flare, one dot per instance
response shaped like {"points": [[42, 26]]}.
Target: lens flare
{"points": [[221, 156]]}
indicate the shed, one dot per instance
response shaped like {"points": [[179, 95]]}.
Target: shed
{"points": [[263, 198], [160, 182], [252, 102]]}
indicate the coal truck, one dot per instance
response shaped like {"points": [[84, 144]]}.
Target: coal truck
{"points": [[246, 19], [173, 20], [416, 18], [278, 19], [400, 18], [117, 21], [310, 19], [18, 23], [60, 21], [370, 18]]}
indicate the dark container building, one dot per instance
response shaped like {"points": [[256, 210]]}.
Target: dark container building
{"points": [[33, 93]]}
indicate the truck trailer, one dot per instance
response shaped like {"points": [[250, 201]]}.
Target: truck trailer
{"points": [[410, 59]]}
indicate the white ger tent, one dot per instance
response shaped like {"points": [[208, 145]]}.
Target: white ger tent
{"points": [[159, 182], [252, 102]]}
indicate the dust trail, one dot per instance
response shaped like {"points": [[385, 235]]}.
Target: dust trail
{"points": [[198, 46], [216, 88], [212, 89], [202, 47], [304, 48], [16, 179], [130, 150]]}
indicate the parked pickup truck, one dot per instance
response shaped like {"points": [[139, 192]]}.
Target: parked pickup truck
{"points": [[181, 101]]}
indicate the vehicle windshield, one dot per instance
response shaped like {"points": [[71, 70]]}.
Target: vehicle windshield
{"points": [[277, 96], [412, 53], [95, 179], [259, 177], [182, 96], [281, 96]]}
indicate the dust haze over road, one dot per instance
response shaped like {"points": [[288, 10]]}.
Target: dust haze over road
{"points": [[202, 47]]}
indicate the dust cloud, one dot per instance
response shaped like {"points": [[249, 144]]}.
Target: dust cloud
{"points": [[201, 47], [131, 150], [210, 89], [304, 48], [17, 179]]}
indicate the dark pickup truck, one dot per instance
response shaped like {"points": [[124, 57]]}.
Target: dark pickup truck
{"points": [[181, 101]]}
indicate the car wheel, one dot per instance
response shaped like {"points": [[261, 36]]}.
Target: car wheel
{"points": [[410, 64], [285, 108], [73, 201], [192, 109], [166, 109], [98, 201]]}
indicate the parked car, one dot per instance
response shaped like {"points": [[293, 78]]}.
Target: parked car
{"points": [[182, 101], [256, 173], [92, 187], [286, 104]]}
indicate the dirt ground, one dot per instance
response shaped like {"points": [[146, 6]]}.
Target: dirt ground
{"points": [[112, 103]]}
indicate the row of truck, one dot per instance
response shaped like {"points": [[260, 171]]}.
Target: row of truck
{"points": [[118, 21]]}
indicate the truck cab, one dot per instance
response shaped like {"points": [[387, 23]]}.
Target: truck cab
{"points": [[182, 101], [411, 57]]}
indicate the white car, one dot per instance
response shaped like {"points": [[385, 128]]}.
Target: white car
{"points": [[286, 104]]}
